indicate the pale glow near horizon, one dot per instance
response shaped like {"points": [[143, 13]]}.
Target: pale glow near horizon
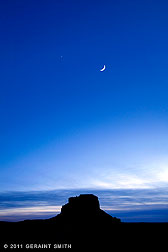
{"points": [[30, 210], [108, 157]]}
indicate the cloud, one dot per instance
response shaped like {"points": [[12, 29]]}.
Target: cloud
{"points": [[122, 203]]}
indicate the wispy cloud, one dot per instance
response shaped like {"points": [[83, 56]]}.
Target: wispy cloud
{"points": [[44, 204]]}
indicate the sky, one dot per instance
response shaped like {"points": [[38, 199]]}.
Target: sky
{"points": [[65, 125]]}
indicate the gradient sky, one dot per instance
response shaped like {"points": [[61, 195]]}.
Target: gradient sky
{"points": [[64, 124]]}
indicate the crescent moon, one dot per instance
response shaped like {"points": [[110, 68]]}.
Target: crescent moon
{"points": [[101, 70]]}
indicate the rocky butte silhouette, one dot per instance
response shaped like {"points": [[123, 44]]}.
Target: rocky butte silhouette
{"points": [[85, 210], [80, 225]]}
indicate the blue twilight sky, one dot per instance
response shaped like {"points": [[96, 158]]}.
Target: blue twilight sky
{"points": [[63, 123]]}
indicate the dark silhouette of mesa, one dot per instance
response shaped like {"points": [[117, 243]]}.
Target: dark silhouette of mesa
{"points": [[80, 225]]}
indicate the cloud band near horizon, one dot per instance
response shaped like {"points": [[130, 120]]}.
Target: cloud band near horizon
{"points": [[128, 204]]}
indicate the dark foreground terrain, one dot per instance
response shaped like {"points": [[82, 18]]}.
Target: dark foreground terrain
{"points": [[82, 225]]}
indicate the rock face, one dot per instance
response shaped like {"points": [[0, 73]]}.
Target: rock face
{"points": [[85, 209], [84, 204]]}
